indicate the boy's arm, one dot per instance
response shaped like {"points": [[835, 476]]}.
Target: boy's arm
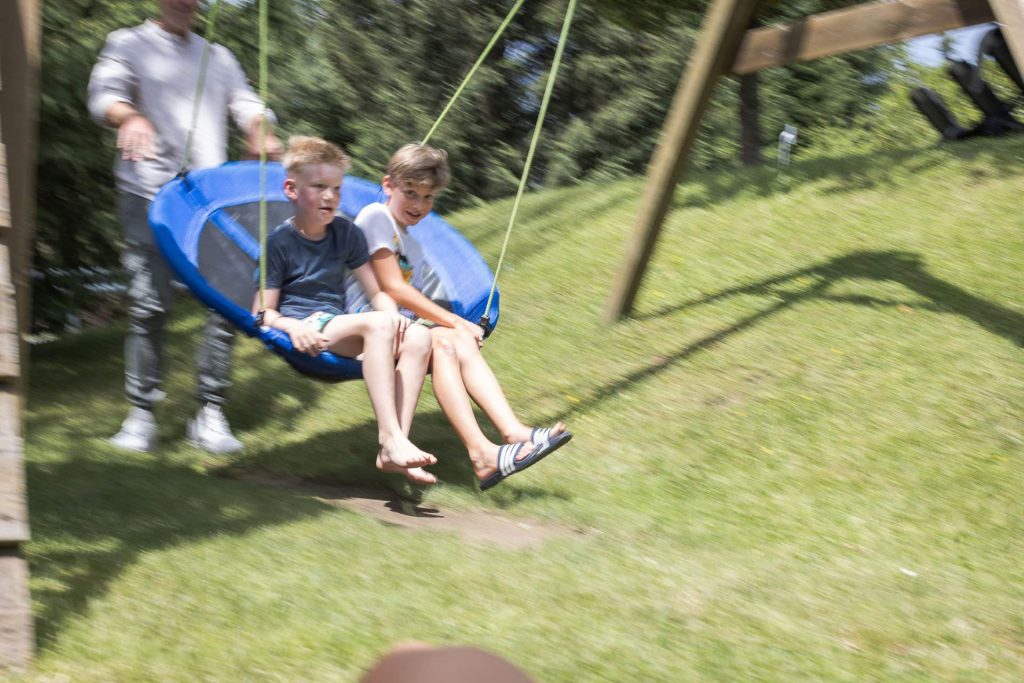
{"points": [[385, 267], [304, 338], [379, 300]]}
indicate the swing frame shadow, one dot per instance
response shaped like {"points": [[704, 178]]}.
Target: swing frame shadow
{"points": [[905, 268]]}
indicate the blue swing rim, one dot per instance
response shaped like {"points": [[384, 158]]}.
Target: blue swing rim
{"points": [[326, 366]]}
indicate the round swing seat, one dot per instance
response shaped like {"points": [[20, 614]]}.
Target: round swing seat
{"points": [[206, 224]]}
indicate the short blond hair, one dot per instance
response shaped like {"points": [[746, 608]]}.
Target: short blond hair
{"points": [[420, 164], [304, 150]]}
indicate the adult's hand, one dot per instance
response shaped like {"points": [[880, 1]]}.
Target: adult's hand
{"points": [[269, 142], [135, 138], [475, 330], [401, 325]]}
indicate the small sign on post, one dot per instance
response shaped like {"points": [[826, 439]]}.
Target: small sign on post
{"points": [[787, 138]]}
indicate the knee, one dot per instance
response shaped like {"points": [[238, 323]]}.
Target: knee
{"points": [[378, 324], [147, 312], [417, 340], [465, 343], [443, 344]]}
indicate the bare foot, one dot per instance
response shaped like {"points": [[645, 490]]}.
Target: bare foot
{"points": [[402, 453], [524, 433], [416, 475], [485, 458]]}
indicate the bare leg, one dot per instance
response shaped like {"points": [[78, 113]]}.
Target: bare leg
{"points": [[410, 373], [483, 387], [373, 335], [454, 401]]}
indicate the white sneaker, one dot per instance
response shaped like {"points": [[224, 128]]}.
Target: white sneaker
{"points": [[138, 431], [209, 430]]}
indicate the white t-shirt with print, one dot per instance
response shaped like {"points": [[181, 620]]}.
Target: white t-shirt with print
{"points": [[383, 232]]}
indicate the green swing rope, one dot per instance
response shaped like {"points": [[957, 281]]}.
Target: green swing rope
{"points": [[263, 150], [263, 46], [548, 88], [465, 81], [211, 22]]}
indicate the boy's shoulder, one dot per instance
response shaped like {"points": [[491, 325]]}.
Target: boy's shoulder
{"points": [[281, 233], [371, 211], [342, 227], [340, 222], [346, 234]]}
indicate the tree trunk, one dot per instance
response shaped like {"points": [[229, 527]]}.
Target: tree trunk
{"points": [[750, 124]]}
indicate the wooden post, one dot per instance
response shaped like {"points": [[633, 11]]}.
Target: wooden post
{"points": [[19, 70], [1010, 15], [725, 46], [724, 27]]}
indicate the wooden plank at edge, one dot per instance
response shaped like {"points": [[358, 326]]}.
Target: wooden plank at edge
{"points": [[854, 28], [17, 640]]}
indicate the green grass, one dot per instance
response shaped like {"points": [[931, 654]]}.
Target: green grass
{"points": [[800, 459]]}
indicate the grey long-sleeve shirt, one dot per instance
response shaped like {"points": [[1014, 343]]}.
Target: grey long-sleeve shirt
{"points": [[157, 73]]}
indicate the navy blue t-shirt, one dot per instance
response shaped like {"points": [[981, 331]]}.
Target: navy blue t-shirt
{"points": [[311, 275]]}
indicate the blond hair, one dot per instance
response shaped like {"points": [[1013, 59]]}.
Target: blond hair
{"points": [[420, 164], [305, 151]]}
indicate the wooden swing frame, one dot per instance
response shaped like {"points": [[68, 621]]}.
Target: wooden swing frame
{"points": [[726, 46]]}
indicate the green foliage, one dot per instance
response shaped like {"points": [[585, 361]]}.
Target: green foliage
{"points": [[372, 75], [76, 223]]}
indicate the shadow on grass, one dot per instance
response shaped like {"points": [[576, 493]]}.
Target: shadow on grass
{"points": [[812, 283], [65, 373], [93, 516], [347, 457]]}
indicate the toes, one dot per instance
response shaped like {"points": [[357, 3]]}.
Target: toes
{"points": [[525, 451], [423, 460]]}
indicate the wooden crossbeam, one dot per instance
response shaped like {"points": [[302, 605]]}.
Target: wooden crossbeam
{"points": [[856, 28]]}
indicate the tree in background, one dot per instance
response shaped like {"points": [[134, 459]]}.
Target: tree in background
{"points": [[76, 224], [372, 75]]}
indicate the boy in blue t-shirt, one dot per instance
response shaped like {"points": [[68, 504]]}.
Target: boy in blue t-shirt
{"points": [[308, 257]]}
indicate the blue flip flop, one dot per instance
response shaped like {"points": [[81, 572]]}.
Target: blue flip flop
{"points": [[507, 464]]}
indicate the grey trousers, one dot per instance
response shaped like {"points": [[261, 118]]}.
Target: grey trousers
{"points": [[149, 302]]}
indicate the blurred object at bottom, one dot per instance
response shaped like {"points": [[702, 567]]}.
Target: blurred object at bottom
{"points": [[423, 663]]}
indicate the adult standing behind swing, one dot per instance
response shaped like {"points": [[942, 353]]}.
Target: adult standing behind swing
{"points": [[144, 85]]}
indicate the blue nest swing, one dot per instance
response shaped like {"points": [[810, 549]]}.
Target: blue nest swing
{"points": [[206, 224]]}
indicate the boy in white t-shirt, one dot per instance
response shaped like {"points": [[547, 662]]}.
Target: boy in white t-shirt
{"points": [[415, 174]]}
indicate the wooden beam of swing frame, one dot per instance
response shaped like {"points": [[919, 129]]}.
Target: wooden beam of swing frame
{"points": [[724, 24], [725, 45], [854, 28]]}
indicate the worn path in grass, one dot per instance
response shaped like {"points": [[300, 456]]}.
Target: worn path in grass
{"points": [[388, 507]]}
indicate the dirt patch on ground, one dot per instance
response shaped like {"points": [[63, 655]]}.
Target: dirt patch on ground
{"points": [[389, 508]]}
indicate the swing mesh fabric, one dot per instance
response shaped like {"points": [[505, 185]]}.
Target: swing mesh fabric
{"points": [[206, 223]]}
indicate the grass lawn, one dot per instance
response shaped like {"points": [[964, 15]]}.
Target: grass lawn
{"points": [[800, 459]]}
